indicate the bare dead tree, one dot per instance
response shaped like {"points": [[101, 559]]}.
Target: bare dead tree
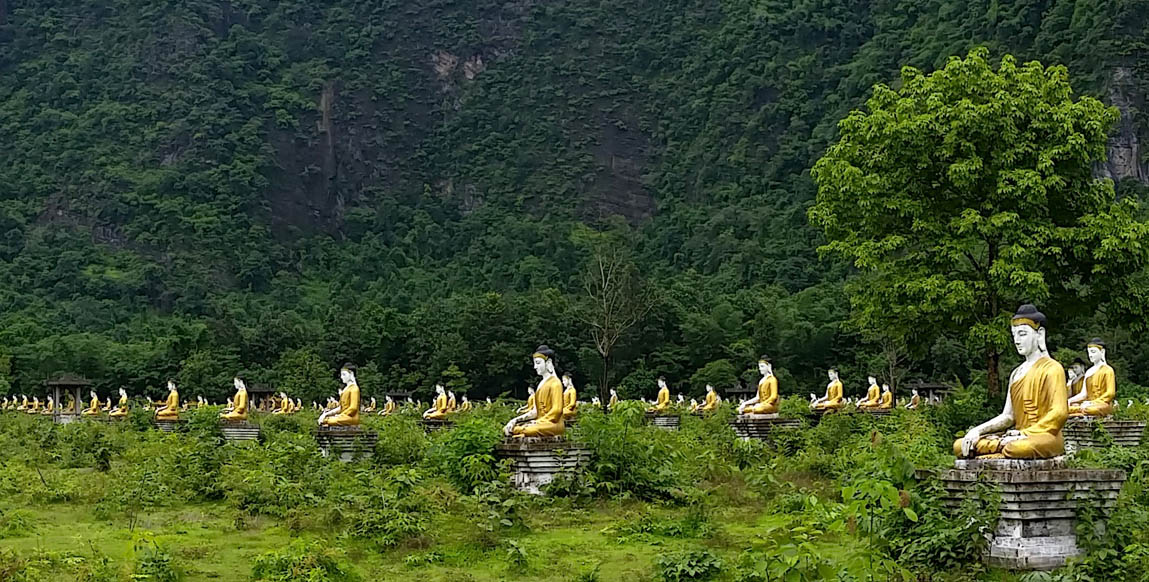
{"points": [[616, 300]]}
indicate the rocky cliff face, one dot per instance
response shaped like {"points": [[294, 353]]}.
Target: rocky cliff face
{"points": [[1126, 160]]}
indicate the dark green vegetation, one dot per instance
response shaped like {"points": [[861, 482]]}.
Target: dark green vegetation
{"points": [[193, 188], [104, 502]]}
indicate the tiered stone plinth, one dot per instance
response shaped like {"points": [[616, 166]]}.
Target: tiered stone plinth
{"points": [[875, 411], [1080, 432], [433, 424], [167, 425], [235, 432], [759, 426], [346, 443], [537, 461], [663, 421], [1039, 501]]}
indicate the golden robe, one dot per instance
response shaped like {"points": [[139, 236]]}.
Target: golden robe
{"points": [[873, 397], [1100, 391], [767, 396], [548, 411], [239, 407], [348, 408], [1040, 406], [663, 401], [887, 401], [441, 407], [171, 409], [711, 402], [93, 408], [833, 399], [570, 403]]}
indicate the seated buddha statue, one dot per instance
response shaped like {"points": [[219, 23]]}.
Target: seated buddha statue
{"points": [[93, 407], [121, 409], [833, 398], [35, 408], [370, 407], [237, 410], [70, 404], [662, 402], [915, 400], [347, 414], [530, 405], [887, 401], [1029, 426], [546, 418], [766, 400], [452, 404], [170, 410], [1099, 383], [613, 399], [711, 401], [50, 408], [873, 395], [570, 398], [438, 409], [23, 403], [466, 405], [388, 406]]}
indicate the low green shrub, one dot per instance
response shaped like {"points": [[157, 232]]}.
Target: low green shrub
{"points": [[690, 565], [303, 561]]}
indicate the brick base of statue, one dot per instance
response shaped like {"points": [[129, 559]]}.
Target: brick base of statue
{"points": [[759, 426], [663, 421], [433, 424], [168, 425], [536, 461], [1082, 432], [346, 443], [875, 411], [1039, 502], [240, 431]]}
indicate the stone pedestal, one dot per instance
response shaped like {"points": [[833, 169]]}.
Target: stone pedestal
{"points": [[1039, 501], [239, 431], [663, 421], [346, 443], [167, 425], [536, 461], [759, 426], [431, 425], [65, 418], [875, 411], [1080, 432]]}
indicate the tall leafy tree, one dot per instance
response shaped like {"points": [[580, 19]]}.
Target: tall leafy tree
{"points": [[969, 190]]}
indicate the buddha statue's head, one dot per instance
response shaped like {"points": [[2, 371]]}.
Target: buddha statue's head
{"points": [[1077, 368], [171, 385], [92, 393], [613, 392], [544, 361], [123, 393], [387, 399], [914, 391], [764, 366], [832, 374], [567, 381], [885, 387], [872, 380], [347, 373], [1096, 350], [238, 383], [661, 382], [465, 398], [709, 388], [681, 398], [440, 390], [1028, 327]]}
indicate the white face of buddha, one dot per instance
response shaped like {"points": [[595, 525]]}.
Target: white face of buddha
{"points": [[661, 383], [540, 365], [346, 376], [832, 375], [531, 390], [763, 368], [709, 388], [567, 382], [171, 385], [439, 389], [886, 387], [872, 380], [1095, 354], [1025, 339], [238, 384]]}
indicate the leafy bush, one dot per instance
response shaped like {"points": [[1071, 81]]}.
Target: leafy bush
{"points": [[154, 563], [690, 565], [401, 441], [15, 523], [303, 560], [466, 453]]}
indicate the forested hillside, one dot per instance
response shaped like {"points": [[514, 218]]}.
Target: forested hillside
{"points": [[193, 188]]}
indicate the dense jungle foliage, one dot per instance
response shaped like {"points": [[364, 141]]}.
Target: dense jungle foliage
{"points": [[190, 189], [839, 500]]}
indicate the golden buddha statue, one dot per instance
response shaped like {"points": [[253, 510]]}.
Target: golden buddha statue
{"points": [[121, 409], [94, 407], [170, 408], [1036, 406], [833, 398], [35, 407], [570, 398], [1098, 385], [285, 404], [452, 404], [23, 403], [388, 406], [546, 418], [50, 408], [237, 411], [530, 405], [613, 399], [348, 412], [662, 402], [915, 400], [711, 402], [466, 406], [70, 405], [766, 400], [873, 395], [438, 408], [370, 407], [887, 401]]}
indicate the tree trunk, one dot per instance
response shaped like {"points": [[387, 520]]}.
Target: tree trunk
{"points": [[993, 383], [603, 388]]}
